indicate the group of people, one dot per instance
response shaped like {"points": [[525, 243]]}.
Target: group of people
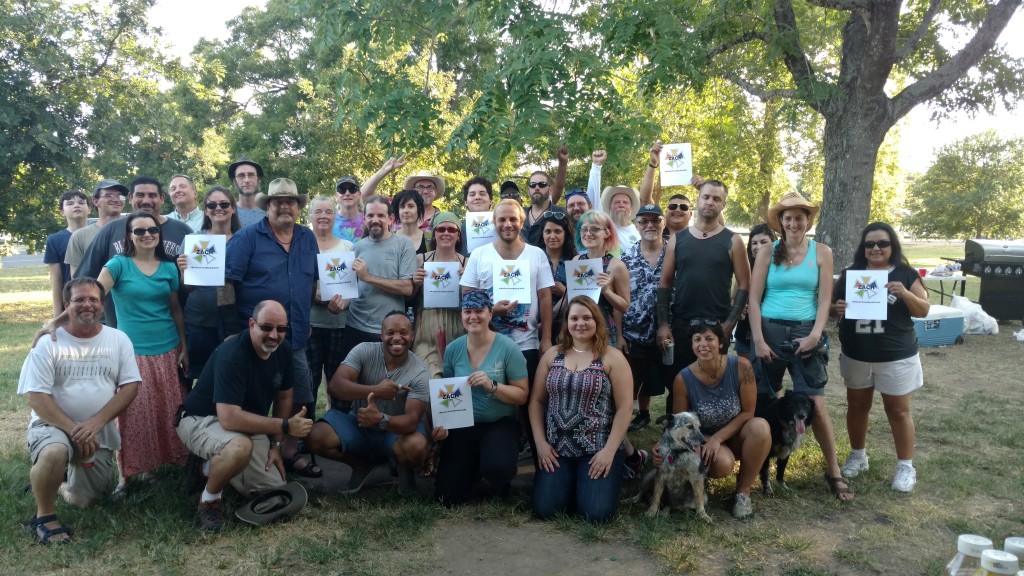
{"points": [[559, 373]]}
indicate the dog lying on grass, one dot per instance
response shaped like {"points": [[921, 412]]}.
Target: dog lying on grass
{"points": [[788, 417], [679, 482]]}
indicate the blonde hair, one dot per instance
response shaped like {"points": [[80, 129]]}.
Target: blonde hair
{"points": [[514, 204]]}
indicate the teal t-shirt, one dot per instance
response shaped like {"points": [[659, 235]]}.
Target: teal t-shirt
{"points": [[791, 292], [503, 363], [143, 304]]}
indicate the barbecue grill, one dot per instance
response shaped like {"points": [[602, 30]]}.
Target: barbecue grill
{"points": [[1000, 265]]}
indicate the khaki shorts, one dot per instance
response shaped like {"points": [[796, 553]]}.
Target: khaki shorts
{"points": [[95, 481], [897, 378], [204, 437]]}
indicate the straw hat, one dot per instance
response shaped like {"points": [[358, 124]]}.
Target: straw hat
{"points": [[425, 175], [611, 191], [281, 188], [789, 200]]}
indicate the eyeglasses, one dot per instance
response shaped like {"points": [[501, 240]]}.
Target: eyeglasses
{"points": [[553, 214], [870, 244], [152, 231], [114, 196], [323, 212], [245, 176], [644, 222], [347, 190], [699, 322], [85, 300], [223, 205], [538, 184], [680, 206], [268, 328], [446, 230], [423, 187], [591, 229]]}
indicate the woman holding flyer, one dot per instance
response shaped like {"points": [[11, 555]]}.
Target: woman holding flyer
{"points": [[556, 241], [496, 370], [436, 327], [599, 238], [882, 354]]}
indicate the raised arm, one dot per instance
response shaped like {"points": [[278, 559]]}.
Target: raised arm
{"points": [[597, 160], [647, 195], [559, 184], [369, 187]]}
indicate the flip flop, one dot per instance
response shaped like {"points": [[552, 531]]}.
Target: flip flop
{"points": [[43, 534], [310, 470]]}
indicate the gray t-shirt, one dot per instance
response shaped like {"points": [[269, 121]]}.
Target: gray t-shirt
{"points": [[367, 359], [79, 243], [249, 216], [392, 258]]}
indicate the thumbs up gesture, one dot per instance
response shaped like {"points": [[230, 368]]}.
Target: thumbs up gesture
{"points": [[298, 425], [369, 416]]}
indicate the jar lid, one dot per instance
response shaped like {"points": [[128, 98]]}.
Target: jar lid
{"points": [[1014, 545], [999, 562], [972, 544]]}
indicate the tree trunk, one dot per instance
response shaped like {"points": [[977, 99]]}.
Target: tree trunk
{"points": [[851, 142]]}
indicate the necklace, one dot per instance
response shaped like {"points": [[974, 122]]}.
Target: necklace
{"points": [[706, 232], [714, 375], [580, 351]]}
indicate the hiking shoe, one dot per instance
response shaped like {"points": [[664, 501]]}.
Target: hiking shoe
{"points": [[906, 478], [406, 482], [743, 507], [211, 515], [632, 470], [360, 472], [193, 481], [854, 465], [641, 421]]}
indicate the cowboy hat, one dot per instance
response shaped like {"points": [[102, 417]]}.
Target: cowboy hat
{"points": [[425, 175], [611, 191], [281, 188], [243, 160], [789, 200], [273, 504]]}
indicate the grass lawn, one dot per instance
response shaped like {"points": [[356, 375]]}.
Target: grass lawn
{"points": [[969, 445]]}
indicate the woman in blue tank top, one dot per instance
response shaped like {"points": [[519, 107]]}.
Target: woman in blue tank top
{"points": [[790, 298]]}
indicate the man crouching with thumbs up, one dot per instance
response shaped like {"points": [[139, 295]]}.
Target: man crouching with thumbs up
{"points": [[388, 388], [224, 420]]}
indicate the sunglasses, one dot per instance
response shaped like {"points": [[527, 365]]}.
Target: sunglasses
{"points": [[347, 190], [152, 231], [870, 244], [699, 322], [553, 214], [446, 230], [223, 205], [644, 222], [268, 328], [683, 207], [538, 184]]}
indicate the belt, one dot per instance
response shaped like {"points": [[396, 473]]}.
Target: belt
{"points": [[790, 322]]}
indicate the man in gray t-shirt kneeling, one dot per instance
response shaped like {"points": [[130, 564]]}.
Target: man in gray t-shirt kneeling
{"points": [[388, 388]]}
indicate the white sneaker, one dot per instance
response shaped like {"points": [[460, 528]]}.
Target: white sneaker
{"points": [[743, 507], [906, 478], [854, 465]]}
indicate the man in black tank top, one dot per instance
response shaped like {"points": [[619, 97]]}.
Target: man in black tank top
{"points": [[696, 279]]}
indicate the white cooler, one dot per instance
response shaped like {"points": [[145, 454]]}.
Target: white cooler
{"points": [[942, 327]]}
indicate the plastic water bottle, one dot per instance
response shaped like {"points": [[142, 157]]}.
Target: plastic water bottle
{"points": [[997, 563], [668, 357], [968, 558]]}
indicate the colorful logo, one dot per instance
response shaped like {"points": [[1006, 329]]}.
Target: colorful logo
{"points": [[334, 268], [865, 287], [511, 275], [675, 158], [450, 396], [204, 253], [441, 277], [480, 225], [585, 275]]}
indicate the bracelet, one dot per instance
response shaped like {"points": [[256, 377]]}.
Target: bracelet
{"points": [[284, 426], [652, 165]]}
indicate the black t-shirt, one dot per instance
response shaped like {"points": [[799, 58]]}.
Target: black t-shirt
{"points": [[234, 374], [534, 234], [703, 277], [880, 340]]}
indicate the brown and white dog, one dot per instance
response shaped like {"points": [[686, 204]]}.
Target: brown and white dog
{"points": [[680, 480]]}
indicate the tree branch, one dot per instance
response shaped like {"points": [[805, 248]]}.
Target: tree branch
{"points": [[839, 4], [793, 54], [759, 92], [952, 70], [742, 39], [922, 29]]}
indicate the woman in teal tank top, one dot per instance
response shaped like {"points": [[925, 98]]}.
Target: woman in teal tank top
{"points": [[790, 297]]}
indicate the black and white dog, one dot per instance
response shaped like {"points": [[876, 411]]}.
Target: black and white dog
{"points": [[680, 480], [788, 417]]}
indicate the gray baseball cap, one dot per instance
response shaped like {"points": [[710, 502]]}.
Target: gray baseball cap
{"points": [[109, 183]]}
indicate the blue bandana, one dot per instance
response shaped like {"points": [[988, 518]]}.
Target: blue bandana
{"points": [[476, 300]]}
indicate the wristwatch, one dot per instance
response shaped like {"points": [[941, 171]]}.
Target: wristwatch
{"points": [[276, 443], [384, 421]]}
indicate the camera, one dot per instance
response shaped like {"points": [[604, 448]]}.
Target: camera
{"points": [[791, 346]]}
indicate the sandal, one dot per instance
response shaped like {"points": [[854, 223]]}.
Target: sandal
{"points": [[43, 534], [310, 470], [840, 487]]}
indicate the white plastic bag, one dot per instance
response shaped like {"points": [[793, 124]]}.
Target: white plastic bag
{"points": [[976, 321]]}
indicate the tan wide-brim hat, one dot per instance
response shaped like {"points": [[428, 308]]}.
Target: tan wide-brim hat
{"points": [[611, 191], [281, 188], [425, 175], [789, 200]]}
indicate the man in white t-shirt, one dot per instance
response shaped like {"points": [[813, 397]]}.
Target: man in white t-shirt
{"points": [[76, 386]]}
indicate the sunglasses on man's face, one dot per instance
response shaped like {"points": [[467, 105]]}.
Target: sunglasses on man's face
{"points": [[347, 190], [223, 205], [682, 207], [538, 184], [268, 328], [870, 244]]}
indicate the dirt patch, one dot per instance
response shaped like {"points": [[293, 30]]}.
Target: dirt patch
{"points": [[485, 546]]}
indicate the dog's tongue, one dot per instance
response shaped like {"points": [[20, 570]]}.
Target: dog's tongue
{"points": [[800, 427]]}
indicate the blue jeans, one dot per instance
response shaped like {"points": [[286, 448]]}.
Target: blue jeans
{"points": [[570, 487]]}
